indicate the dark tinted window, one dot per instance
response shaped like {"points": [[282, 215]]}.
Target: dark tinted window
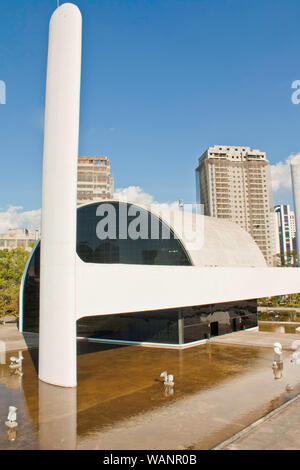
{"points": [[156, 244], [31, 295], [159, 326]]}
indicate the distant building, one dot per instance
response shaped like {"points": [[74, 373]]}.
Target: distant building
{"points": [[18, 238], [293, 228], [285, 231], [94, 181], [277, 238], [235, 184]]}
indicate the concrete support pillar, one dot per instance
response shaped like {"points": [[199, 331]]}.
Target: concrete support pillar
{"points": [[57, 348], [295, 172]]}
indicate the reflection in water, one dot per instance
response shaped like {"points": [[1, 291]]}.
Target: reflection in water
{"points": [[219, 390], [169, 390], [2, 352], [277, 327], [12, 434], [277, 369], [16, 364], [280, 316], [57, 417]]}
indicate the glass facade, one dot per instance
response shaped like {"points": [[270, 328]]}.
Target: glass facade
{"points": [[166, 326], [206, 321], [31, 293], [159, 326], [156, 243], [172, 326]]}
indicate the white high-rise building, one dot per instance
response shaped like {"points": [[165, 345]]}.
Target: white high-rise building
{"points": [[235, 184], [283, 213], [293, 228]]}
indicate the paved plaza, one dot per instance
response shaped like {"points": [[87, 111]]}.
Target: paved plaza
{"points": [[14, 340], [277, 431], [257, 338]]}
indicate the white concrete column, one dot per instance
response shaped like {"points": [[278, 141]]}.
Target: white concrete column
{"points": [[295, 172], [57, 348]]}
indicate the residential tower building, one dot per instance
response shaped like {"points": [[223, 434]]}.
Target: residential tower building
{"points": [[293, 228], [283, 214], [235, 184]]}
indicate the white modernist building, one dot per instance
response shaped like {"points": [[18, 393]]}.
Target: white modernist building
{"points": [[146, 279]]}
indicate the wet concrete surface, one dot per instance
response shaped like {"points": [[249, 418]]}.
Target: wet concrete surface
{"points": [[121, 402]]}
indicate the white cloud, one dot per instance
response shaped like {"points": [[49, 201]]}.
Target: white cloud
{"points": [[139, 196], [14, 217], [281, 174]]}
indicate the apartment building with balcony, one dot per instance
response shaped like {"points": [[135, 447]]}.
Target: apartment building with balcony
{"points": [[235, 184]]}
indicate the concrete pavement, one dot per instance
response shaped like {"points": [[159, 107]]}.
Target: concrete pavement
{"points": [[14, 340], [278, 309], [279, 430], [257, 338]]}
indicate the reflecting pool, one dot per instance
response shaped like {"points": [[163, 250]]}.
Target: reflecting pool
{"points": [[122, 403]]}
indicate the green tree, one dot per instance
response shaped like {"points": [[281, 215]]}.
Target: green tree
{"points": [[290, 259], [12, 264]]}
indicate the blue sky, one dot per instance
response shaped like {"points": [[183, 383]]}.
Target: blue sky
{"points": [[161, 81]]}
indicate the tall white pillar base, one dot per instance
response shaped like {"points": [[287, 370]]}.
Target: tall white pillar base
{"points": [[57, 340]]}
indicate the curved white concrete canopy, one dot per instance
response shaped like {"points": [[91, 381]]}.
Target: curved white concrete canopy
{"points": [[217, 242], [228, 266]]}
